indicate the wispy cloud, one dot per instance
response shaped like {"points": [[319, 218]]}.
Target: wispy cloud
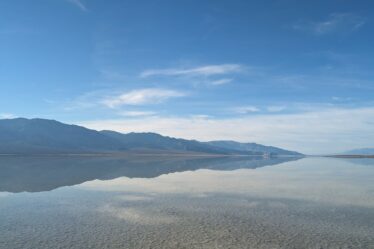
{"points": [[336, 22], [201, 116], [208, 70], [245, 109], [142, 97], [318, 131], [341, 99], [85, 101], [275, 108], [136, 113], [7, 115], [221, 81], [79, 4], [103, 99]]}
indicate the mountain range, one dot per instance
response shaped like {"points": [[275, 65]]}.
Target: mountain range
{"points": [[42, 136], [362, 151]]}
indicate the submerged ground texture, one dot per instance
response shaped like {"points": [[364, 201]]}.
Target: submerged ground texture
{"points": [[119, 220]]}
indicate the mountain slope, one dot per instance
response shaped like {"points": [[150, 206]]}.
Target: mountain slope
{"points": [[41, 136], [253, 147], [48, 136], [158, 142]]}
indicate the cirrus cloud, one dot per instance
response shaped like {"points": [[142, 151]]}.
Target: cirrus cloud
{"points": [[208, 70], [79, 4], [137, 113], [246, 109], [336, 22], [142, 97]]}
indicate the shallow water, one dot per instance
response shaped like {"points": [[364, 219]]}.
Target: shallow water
{"points": [[178, 203]]}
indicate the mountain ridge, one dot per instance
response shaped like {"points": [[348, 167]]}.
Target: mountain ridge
{"points": [[43, 136], [252, 147], [360, 151]]}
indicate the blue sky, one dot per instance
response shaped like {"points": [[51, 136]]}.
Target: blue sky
{"points": [[290, 73]]}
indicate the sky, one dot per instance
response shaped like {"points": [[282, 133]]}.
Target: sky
{"points": [[288, 73]]}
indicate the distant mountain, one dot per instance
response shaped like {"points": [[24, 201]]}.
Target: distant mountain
{"points": [[158, 142], [48, 136], [41, 136], [253, 147], [363, 151]]}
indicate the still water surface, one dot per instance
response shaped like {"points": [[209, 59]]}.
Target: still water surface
{"points": [[85, 202]]}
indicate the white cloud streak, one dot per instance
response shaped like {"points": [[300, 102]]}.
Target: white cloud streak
{"points": [[79, 4], [221, 81], [336, 22], [7, 116], [246, 109], [142, 97], [136, 113], [275, 108], [326, 131], [208, 70]]}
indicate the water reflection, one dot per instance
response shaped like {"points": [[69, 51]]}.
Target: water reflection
{"points": [[36, 174], [180, 203], [321, 180], [359, 161]]}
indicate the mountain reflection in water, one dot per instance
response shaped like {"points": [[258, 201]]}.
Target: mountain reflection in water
{"points": [[37, 174]]}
